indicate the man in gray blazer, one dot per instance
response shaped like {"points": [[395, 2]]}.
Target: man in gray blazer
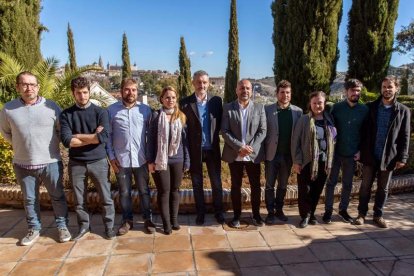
{"points": [[281, 118], [243, 129]]}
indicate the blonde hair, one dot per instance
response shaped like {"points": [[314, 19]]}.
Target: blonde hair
{"points": [[178, 114]]}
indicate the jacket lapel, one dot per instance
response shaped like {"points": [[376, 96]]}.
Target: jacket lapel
{"points": [[193, 104]]}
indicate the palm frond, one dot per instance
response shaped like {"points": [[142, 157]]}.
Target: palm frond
{"points": [[9, 69]]}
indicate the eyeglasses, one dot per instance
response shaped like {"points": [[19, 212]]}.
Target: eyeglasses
{"points": [[27, 85]]}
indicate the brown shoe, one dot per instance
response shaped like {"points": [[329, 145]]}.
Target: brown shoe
{"points": [[360, 220], [380, 222], [124, 228]]}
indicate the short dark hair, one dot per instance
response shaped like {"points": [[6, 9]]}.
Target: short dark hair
{"points": [[393, 79], [200, 73], [352, 83], [283, 84], [126, 81], [24, 73], [78, 83]]}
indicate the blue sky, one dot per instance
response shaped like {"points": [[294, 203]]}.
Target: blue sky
{"points": [[154, 27]]}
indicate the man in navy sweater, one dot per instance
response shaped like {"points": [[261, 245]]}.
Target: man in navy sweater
{"points": [[84, 130]]}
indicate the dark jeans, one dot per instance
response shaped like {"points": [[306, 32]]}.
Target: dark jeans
{"points": [[30, 180], [141, 177], [310, 191], [168, 196], [236, 174], [347, 165], [383, 181], [98, 172], [279, 168], [213, 164]]}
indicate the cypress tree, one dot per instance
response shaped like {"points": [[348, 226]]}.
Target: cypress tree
{"points": [[184, 79], [305, 35], [404, 81], [233, 62], [71, 50], [20, 30], [126, 63], [370, 40]]}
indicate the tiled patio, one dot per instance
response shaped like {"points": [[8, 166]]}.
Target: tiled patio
{"points": [[282, 249]]}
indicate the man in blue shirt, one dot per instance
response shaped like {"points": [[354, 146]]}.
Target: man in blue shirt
{"points": [[126, 145], [203, 112], [349, 116], [386, 137]]}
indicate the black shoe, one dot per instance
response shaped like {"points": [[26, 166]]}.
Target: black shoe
{"points": [[110, 234], [220, 218], [280, 215], [200, 219], [82, 232], [304, 222], [270, 219], [176, 227], [235, 223], [149, 226], [327, 217], [167, 231], [258, 221], [345, 216], [313, 220]]}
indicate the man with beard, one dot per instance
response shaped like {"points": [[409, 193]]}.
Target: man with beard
{"points": [[129, 121], [349, 116], [243, 128], [84, 130], [203, 112], [386, 137]]}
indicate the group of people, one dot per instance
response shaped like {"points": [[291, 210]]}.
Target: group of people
{"points": [[182, 135]]}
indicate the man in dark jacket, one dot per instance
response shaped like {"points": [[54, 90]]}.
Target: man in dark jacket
{"points": [[386, 137], [203, 112]]}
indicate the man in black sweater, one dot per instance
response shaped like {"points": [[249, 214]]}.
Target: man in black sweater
{"points": [[84, 130]]}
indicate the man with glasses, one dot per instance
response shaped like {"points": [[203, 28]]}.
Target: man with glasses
{"points": [[30, 124]]}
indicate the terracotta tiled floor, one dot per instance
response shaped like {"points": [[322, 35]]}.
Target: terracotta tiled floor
{"points": [[282, 249]]}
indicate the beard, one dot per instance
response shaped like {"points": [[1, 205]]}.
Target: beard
{"points": [[129, 99]]}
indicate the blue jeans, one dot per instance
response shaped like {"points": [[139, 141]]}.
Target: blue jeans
{"points": [[29, 180], [279, 168], [79, 172], [124, 178], [383, 181], [347, 165]]}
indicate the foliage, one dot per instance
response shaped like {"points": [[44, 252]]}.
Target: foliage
{"points": [[153, 83], [126, 63], [405, 38], [20, 30], [367, 96], [56, 88], [404, 82], [233, 62], [6, 157], [184, 79], [305, 35], [71, 49], [371, 30]]}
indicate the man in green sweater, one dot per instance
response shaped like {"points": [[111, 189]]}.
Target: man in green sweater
{"points": [[30, 124], [349, 116]]}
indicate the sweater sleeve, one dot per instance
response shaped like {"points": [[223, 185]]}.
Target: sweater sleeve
{"points": [[65, 129], [5, 128], [103, 121], [186, 151]]}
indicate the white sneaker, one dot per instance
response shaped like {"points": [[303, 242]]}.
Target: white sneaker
{"points": [[31, 237], [64, 235]]}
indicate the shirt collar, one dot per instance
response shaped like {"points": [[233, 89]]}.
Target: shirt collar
{"points": [[200, 101], [85, 106], [38, 100], [279, 108]]}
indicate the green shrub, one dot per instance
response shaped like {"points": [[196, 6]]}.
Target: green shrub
{"points": [[367, 96], [6, 166]]}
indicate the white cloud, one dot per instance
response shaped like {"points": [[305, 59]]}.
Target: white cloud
{"points": [[207, 54], [192, 53]]}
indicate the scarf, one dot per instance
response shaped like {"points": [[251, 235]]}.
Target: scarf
{"points": [[330, 134], [164, 148]]}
